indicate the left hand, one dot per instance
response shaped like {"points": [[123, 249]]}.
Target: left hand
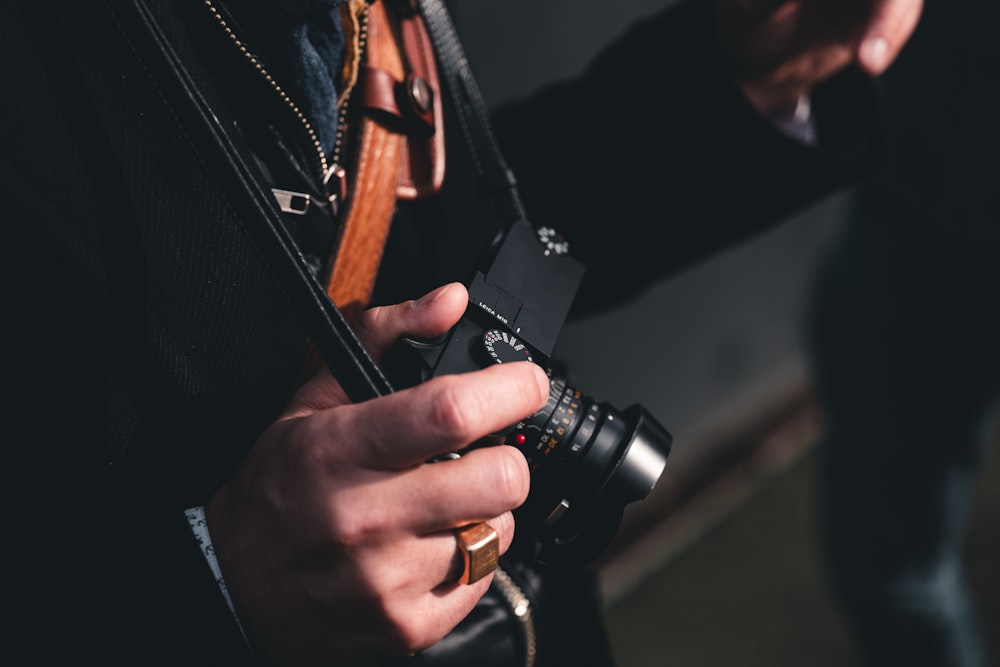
{"points": [[781, 49]]}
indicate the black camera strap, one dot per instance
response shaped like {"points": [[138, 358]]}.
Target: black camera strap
{"points": [[336, 342], [341, 350], [499, 187]]}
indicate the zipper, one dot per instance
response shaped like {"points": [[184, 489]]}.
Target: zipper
{"points": [[521, 606], [334, 179], [332, 175]]}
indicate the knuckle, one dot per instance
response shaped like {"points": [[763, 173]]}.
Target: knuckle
{"points": [[346, 530], [373, 318], [455, 409], [353, 522], [299, 445], [312, 447], [309, 447], [468, 406]]}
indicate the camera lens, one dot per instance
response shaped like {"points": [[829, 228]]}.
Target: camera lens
{"points": [[587, 460]]}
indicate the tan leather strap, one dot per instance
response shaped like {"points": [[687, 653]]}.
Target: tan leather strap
{"points": [[374, 176], [384, 167], [393, 157]]}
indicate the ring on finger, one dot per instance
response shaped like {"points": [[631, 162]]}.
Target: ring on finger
{"points": [[479, 544]]}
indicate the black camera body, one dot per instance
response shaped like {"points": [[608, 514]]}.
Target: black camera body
{"points": [[587, 459]]}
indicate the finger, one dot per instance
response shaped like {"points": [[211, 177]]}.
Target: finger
{"points": [[377, 330], [483, 483], [431, 315], [444, 563], [434, 614], [890, 24], [412, 565], [452, 600], [442, 415], [422, 599]]}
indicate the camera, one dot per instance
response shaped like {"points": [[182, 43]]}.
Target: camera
{"points": [[588, 460]]}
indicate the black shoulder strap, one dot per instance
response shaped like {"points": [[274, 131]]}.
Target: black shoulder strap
{"points": [[499, 187], [341, 350]]}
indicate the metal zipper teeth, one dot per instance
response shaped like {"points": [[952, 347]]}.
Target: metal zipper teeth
{"points": [[338, 140], [521, 606], [313, 137]]}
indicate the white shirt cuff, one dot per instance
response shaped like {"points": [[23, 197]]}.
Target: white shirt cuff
{"points": [[797, 122], [199, 526]]}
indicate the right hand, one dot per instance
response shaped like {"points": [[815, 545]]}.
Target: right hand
{"points": [[781, 49], [335, 537]]}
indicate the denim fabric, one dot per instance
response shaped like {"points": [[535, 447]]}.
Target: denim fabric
{"points": [[904, 340], [303, 44], [904, 336]]}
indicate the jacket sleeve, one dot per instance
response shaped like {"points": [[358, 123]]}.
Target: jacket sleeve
{"points": [[652, 160]]}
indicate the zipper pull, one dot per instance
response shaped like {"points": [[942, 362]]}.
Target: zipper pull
{"points": [[335, 185], [296, 203]]}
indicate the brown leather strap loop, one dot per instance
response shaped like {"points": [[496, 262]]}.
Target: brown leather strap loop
{"points": [[410, 102], [424, 165]]}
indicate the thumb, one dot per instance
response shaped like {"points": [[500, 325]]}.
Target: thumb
{"points": [[890, 24]]}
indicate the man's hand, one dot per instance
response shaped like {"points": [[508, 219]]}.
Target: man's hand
{"points": [[336, 539], [781, 49]]}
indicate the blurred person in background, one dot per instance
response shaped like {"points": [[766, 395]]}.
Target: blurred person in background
{"points": [[905, 338]]}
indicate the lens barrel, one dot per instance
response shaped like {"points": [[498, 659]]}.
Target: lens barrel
{"points": [[587, 460]]}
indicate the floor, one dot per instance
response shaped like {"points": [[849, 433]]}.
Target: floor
{"points": [[746, 589]]}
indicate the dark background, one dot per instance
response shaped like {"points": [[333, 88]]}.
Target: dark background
{"points": [[720, 566]]}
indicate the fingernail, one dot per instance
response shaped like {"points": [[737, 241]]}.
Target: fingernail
{"points": [[874, 52], [431, 297], [542, 379]]}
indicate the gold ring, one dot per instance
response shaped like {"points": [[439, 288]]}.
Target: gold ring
{"points": [[480, 547]]}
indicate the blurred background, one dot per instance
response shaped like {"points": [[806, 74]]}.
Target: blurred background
{"points": [[721, 565]]}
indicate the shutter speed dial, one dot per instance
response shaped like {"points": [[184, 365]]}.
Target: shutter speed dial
{"points": [[500, 347]]}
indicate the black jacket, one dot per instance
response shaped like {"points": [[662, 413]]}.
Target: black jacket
{"points": [[151, 343]]}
